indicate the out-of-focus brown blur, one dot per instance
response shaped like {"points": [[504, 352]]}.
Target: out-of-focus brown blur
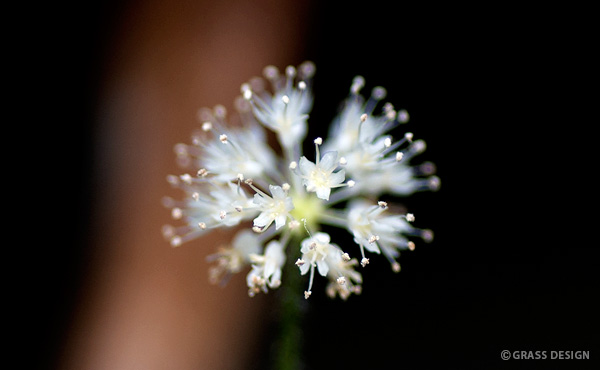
{"points": [[146, 305]]}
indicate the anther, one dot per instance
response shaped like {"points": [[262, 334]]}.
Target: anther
{"points": [[396, 267], [351, 183], [410, 217], [176, 241], [176, 213], [357, 83], [239, 208], [240, 176], [318, 141], [363, 117], [293, 165], [202, 172], [222, 215], [207, 126], [343, 161], [285, 186], [408, 136], [403, 116], [346, 257], [300, 262], [399, 156], [173, 180], [411, 246], [223, 138], [186, 178], [307, 294], [373, 239], [387, 142], [364, 262], [196, 196], [341, 280], [302, 85], [312, 246], [427, 235], [378, 93], [202, 225], [290, 71], [271, 72], [382, 204], [285, 99]]}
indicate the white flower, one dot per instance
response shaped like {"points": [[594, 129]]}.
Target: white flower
{"points": [[379, 233], [209, 205], [235, 176], [266, 269], [343, 279], [275, 208], [232, 259], [286, 111], [372, 158], [320, 177], [315, 251]]}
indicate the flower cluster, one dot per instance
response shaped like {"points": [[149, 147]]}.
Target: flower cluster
{"points": [[285, 197]]}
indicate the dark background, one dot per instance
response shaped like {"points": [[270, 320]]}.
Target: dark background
{"points": [[513, 265]]}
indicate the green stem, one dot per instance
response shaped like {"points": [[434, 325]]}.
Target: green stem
{"points": [[287, 349]]}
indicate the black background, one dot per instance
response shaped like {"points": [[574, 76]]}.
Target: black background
{"points": [[513, 264]]}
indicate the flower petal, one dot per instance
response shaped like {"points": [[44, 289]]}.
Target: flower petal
{"points": [[305, 166], [337, 178], [329, 161]]}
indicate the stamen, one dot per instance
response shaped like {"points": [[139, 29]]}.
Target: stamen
{"points": [[373, 239], [364, 262], [403, 116], [186, 178], [207, 126], [357, 83], [176, 213], [176, 241]]}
